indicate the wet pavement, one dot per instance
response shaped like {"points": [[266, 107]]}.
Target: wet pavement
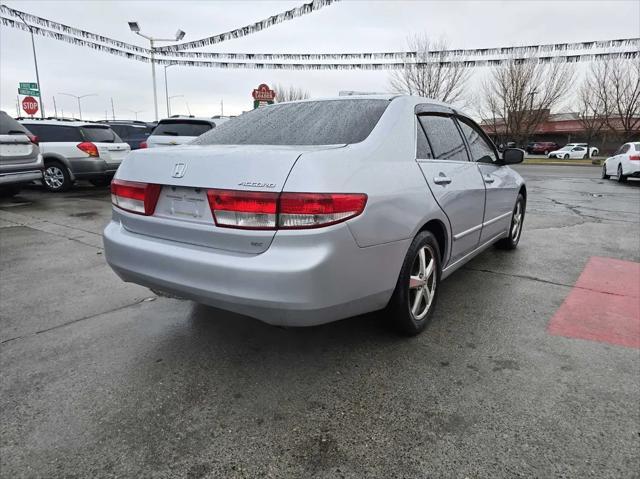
{"points": [[103, 379]]}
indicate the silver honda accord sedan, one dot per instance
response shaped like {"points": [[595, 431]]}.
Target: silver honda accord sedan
{"points": [[307, 212]]}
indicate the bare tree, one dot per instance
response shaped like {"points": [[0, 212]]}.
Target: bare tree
{"points": [[431, 73], [617, 85], [290, 93], [592, 113], [520, 93]]}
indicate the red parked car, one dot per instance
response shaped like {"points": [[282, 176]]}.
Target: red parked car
{"points": [[542, 147]]}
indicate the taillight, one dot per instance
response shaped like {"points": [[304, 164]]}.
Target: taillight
{"points": [[263, 210], [243, 209], [34, 139], [143, 144], [89, 148], [313, 210], [634, 157], [135, 197]]}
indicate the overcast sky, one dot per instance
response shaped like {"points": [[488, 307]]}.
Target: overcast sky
{"points": [[347, 26]]}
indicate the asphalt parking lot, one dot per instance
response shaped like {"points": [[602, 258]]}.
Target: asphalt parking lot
{"points": [[103, 379]]}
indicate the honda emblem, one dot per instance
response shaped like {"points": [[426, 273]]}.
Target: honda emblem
{"points": [[178, 170]]}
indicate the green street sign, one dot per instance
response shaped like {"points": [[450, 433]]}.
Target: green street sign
{"points": [[29, 86], [25, 91]]}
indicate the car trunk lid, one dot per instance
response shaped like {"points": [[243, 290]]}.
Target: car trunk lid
{"points": [[182, 212], [16, 149]]}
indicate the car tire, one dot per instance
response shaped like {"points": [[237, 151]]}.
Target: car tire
{"points": [[414, 299], [100, 182], [604, 175], [515, 227], [621, 177], [566, 156], [56, 177]]}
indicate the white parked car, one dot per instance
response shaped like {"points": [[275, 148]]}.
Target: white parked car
{"points": [[180, 130], [624, 163], [573, 151], [77, 150]]}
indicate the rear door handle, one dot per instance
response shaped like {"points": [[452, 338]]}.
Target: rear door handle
{"points": [[488, 179], [442, 180]]}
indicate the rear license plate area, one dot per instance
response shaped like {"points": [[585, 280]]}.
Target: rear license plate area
{"points": [[182, 203]]}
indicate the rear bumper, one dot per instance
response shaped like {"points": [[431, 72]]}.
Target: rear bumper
{"points": [[631, 168], [303, 279], [20, 177], [87, 168]]}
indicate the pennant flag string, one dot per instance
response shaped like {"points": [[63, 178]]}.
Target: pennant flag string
{"points": [[435, 54], [444, 60], [34, 19], [304, 9]]}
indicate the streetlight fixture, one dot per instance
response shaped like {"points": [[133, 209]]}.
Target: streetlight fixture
{"points": [[135, 28], [170, 97], [79, 98], [135, 112], [166, 87], [35, 61]]}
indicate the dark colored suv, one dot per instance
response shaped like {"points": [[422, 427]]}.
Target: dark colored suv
{"points": [[134, 133]]}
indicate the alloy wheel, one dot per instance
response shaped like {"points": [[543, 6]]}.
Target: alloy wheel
{"points": [[422, 282], [516, 222], [53, 177]]}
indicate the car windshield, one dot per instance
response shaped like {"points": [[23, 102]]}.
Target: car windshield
{"points": [[331, 122], [99, 134], [637, 146], [567, 147], [182, 128]]}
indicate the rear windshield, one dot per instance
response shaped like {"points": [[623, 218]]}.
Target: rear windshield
{"points": [[331, 122], [99, 134], [181, 128], [9, 126]]}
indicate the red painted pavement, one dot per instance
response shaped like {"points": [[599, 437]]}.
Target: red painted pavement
{"points": [[604, 305]]}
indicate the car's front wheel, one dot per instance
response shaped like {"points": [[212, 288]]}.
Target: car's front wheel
{"points": [[566, 156], [515, 228], [56, 177], [604, 175], [414, 299]]}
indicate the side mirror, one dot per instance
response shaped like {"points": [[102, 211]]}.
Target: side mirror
{"points": [[511, 156]]}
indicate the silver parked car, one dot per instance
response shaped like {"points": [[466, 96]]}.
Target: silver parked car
{"points": [[308, 212], [20, 158]]}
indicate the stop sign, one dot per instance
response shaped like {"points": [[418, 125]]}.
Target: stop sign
{"points": [[30, 105]]}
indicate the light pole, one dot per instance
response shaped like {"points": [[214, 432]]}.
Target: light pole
{"points": [[78, 98], [166, 88], [35, 61], [135, 28], [135, 112]]}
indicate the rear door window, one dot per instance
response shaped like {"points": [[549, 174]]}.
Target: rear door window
{"points": [[444, 137], [423, 149], [182, 128], [99, 134]]}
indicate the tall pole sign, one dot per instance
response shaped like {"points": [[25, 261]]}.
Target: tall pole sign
{"points": [[263, 95]]}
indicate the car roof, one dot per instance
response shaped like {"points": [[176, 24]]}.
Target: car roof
{"points": [[187, 119], [27, 121]]}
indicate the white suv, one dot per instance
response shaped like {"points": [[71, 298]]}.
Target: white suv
{"points": [[75, 150], [180, 130]]}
